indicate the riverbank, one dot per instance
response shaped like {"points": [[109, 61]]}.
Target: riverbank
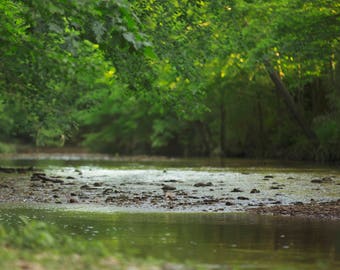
{"points": [[312, 194], [323, 210]]}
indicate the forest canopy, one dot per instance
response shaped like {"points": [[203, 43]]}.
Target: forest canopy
{"points": [[244, 78]]}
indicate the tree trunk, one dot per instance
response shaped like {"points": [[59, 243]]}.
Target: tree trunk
{"points": [[260, 123], [206, 137], [222, 124], [285, 95]]}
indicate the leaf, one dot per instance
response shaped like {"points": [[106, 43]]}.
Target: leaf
{"points": [[149, 52], [129, 37], [99, 29]]}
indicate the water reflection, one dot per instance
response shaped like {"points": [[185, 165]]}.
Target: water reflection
{"points": [[236, 239], [43, 160]]}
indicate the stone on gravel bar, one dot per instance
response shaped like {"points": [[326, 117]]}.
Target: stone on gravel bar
{"points": [[167, 187], [201, 184]]}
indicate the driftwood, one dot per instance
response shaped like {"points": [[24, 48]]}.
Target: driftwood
{"points": [[42, 177]]}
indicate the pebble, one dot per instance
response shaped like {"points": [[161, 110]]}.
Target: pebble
{"points": [[201, 184], [167, 187]]}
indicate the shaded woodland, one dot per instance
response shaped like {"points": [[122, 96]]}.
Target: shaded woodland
{"points": [[242, 78]]}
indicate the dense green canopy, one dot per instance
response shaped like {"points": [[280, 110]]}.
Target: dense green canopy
{"points": [[179, 77]]}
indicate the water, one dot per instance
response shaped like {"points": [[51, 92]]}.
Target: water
{"points": [[214, 239], [247, 241]]}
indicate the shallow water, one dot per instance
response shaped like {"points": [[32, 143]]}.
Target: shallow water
{"points": [[224, 239], [141, 177], [243, 240]]}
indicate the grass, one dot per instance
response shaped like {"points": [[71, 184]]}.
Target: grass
{"points": [[7, 148], [34, 245]]}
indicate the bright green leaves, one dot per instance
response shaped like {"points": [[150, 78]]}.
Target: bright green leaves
{"points": [[55, 58]]}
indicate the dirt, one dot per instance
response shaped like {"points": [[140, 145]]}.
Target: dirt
{"points": [[322, 210]]}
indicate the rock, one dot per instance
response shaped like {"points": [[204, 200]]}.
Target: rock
{"points": [[44, 178], [169, 195], [73, 200], [210, 201], [73, 194], [268, 176], [107, 191], [97, 184], [109, 199], [201, 184], [37, 176], [237, 190], [316, 181], [70, 177], [171, 181], [167, 188], [242, 198], [298, 203], [327, 179], [85, 187], [78, 171], [276, 202], [254, 190], [229, 203]]}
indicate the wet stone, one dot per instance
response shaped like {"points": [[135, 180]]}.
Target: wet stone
{"points": [[229, 203], [109, 199], [242, 198], [167, 187], [298, 203], [201, 184], [322, 180], [237, 190], [276, 202], [97, 184], [107, 191], [254, 190], [171, 181]]}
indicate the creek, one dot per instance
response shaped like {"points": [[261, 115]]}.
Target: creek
{"points": [[193, 233]]}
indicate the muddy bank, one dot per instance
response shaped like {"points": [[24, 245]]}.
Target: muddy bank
{"points": [[176, 190]]}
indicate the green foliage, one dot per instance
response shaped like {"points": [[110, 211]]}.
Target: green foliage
{"points": [[51, 60], [32, 235], [176, 77]]}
